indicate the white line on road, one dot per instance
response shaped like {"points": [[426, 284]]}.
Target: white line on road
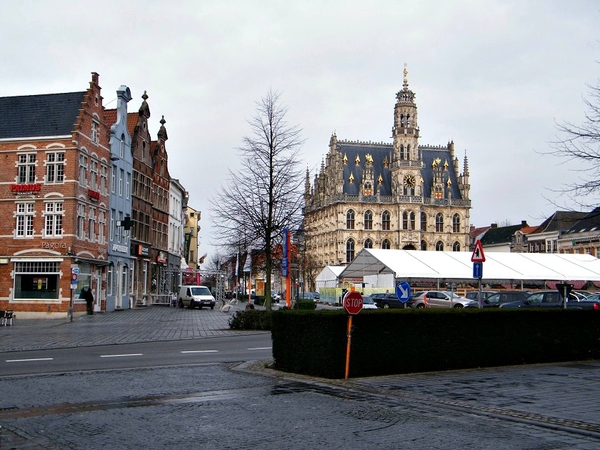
{"points": [[27, 360], [120, 356], [199, 351], [260, 348]]}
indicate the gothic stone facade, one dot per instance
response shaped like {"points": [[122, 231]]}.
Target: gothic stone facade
{"points": [[377, 195]]}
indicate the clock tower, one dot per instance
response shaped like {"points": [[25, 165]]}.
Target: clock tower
{"points": [[406, 166]]}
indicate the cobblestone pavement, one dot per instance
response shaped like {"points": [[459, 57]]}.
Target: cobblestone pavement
{"points": [[154, 323], [546, 406]]}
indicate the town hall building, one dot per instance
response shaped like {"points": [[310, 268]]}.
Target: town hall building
{"points": [[400, 195]]}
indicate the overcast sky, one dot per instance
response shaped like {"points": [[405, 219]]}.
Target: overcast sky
{"points": [[492, 75]]}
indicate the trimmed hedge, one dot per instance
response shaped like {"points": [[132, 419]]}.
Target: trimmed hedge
{"points": [[407, 341]]}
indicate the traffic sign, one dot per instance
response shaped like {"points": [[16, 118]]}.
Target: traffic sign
{"points": [[353, 302], [478, 270], [478, 255], [403, 291]]}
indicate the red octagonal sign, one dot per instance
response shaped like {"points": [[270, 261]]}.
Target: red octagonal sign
{"points": [[353, 302]]}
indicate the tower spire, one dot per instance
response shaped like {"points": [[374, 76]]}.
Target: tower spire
{"points": [[405, 84]]}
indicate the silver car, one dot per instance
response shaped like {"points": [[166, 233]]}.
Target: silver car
{"points": [[439, 299]]}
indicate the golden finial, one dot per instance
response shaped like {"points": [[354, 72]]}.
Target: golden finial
{"points": [[345, 159], [446, 165], [369, 159], [357, 160], [380, 179], [449, 183], [351, 178], [386, 163]]}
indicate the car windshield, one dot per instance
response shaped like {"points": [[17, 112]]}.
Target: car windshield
{"points": [[452, 294], [200, 290], [368, 299]]}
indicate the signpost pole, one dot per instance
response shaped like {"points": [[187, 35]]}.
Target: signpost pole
{"points": [[349, 334]]}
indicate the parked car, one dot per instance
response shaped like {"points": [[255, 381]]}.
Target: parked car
{"points": [[368, 302], [390, 300], [499, 298], [439, 299], [192, 296], [314, 296], [474, 295], [544, 299]]}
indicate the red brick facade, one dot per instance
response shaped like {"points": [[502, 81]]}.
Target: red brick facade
{"points": [[54, 192]]}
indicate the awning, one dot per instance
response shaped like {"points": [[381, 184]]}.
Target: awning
{"points": [[416, 264]]}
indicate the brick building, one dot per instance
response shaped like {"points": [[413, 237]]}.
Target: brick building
{"points": [[54, 198]]}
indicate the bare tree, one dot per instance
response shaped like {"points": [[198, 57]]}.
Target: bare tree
{"points": [[265, 195], [581, 143]]}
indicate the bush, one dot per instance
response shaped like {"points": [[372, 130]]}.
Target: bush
{"points": [[304, 304], [251, 319]]}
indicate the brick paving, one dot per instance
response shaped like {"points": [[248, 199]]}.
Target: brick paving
{"points": [[153, 323], [556, 404]]}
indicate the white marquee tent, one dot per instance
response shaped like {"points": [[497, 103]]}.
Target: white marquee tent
{"points": [[457, 266], [328, 277]]}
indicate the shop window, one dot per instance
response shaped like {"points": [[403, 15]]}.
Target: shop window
{"points": [[36, 280]]}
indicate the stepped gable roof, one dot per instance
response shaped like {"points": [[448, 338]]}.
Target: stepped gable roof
{"points": [[501, 235], [591, 222], [379, 152], [39, 115], [561, 221], [132, 120]]}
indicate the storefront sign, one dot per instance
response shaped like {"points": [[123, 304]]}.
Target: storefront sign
{"points": [[161, 258], [94, 195], [140, 250], [25, 188], [54, 245], [119, 248]]}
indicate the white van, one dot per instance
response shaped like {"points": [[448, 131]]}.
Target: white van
{"points": [[192, 296]]}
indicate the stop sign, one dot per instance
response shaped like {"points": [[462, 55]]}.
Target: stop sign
{"points": [[353, 302]]}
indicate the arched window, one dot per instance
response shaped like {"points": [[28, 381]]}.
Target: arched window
{"points": [[439, 246], [385, 220], [423, 221], [411, 220], [408, 151], [456, 223], [349, 250], [439, 222], [401, 120], [423, 245], [368, 220], [385, 244], [350, 219], [405, 220], [408, 120], [368, 243], [456, 247]]}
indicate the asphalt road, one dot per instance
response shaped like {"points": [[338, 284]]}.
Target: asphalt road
{"points": [[228, 349]]}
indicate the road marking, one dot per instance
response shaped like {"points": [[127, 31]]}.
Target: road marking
{"points": [[120, 356], [28, 360], [260, 348], [200, 351]]}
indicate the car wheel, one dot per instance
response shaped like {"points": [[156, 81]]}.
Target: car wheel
{"points": [[420, 305], [386, 306], [458, 306]]}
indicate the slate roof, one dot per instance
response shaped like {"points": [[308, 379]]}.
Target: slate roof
{"points": [[501, 235], [591, 222], [379, 153], [561, 221], [39, 115]]}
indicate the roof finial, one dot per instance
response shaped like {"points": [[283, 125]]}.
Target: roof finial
{"points": [[405, 77]]}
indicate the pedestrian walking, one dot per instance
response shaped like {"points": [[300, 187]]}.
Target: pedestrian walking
{"points": [[89, 299]]}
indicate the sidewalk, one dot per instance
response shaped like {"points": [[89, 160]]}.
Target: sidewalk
{"points": [[153, 323]]}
